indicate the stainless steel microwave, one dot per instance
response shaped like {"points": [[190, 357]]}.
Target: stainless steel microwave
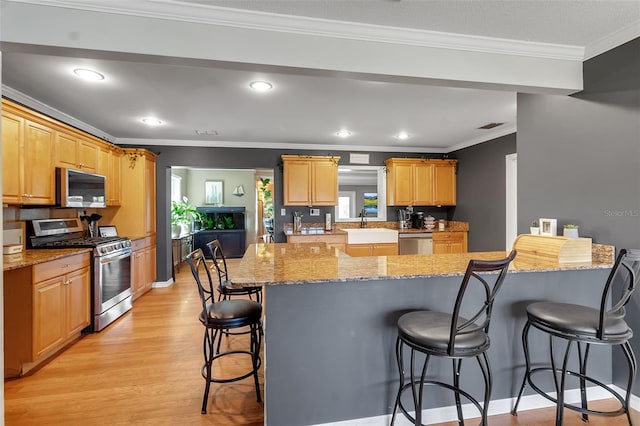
{"points": [[75, 188]]}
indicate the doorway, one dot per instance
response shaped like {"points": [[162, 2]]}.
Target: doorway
{"points": [[511, 199]]}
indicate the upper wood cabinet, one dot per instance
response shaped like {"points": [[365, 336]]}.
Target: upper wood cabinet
{"points": [[27, 159], [310, 180], [33, 145], [76, 152], [420, 182], [109, 165], [137, 215]]}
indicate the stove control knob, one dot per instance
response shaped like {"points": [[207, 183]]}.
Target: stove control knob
{"points": [[102, 250]]}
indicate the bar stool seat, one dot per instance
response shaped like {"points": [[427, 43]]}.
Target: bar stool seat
{"points": [[434, 339], [578, 320], [234, 314], [450, 335], [584, 326]]}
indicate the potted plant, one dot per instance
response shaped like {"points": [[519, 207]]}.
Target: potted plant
{"points": [[570, 231], [182, 215], [267, 204], [534, 228]]}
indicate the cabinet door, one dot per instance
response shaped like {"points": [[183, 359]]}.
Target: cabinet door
{"points": [[138, 272], [359, 250], [104, 157], [422, 184], [78, 303], [444, 178], [114, 179], [12, 139], [66, 150], [297, 183], [48, 315], [441, 247], [400, 184], [39, 185], [150, 264], [384, 249], [87, 155], [324, 188]]}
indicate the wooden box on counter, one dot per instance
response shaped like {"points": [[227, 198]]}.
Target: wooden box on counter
{"points": [[558, 249]]}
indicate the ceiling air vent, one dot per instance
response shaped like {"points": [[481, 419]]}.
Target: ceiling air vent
{"points": [[490, 126], [207, 132]]}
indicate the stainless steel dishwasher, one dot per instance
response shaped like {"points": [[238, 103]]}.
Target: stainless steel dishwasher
{"points": [[415, 243]]}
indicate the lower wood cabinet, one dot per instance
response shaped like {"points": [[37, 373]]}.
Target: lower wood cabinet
{"points": [[46, 306], [376, 249], [338, 241], [449, 242], [143, 265]]}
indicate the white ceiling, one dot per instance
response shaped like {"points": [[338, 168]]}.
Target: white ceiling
{"points": [[305, 108]]}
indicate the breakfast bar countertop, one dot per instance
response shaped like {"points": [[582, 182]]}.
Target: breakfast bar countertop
{"points": [[286, 263], [33, 257]]}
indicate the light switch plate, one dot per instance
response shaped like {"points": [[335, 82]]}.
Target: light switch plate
{"points": [[283, 212], [314, 212]]}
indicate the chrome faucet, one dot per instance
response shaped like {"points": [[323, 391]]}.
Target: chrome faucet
{"points": [[363, 218]]}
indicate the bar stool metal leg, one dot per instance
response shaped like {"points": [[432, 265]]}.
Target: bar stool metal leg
{"points": [[525, 345], [457, 363], [583, 382], [633, 367]]}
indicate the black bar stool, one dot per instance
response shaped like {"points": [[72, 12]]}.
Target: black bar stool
{"points": [[451, 336], [586, 326], [225, 315]]}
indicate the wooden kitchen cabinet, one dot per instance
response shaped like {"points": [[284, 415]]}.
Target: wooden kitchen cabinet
{"points": [[449, 242], [338, 241], [74, 151], [444, 182], [27, 158], [143, 265], [420, 182], [34, 145], [137, 213], [310, 180], [12, 140], [375, 249], [46, 307]]}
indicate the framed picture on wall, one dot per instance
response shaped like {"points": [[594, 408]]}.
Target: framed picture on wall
{"points": [[548, 227], [213, 191]]}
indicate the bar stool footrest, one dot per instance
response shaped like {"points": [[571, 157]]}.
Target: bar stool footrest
{"points": [[236, 378], [576, 408]]}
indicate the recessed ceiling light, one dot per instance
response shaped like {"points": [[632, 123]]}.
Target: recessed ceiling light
{"points": [[402, 135], [344, 133], [151, 121], [261, 86], [89, 75]]}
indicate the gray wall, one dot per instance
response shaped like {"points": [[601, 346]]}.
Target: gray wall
{"points": [[481, 192], [579, 159]]}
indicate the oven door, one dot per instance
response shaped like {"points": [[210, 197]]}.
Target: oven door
{"points": [[112, 282]]}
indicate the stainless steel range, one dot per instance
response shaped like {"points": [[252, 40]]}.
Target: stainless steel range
{"points": [[110, 266]]}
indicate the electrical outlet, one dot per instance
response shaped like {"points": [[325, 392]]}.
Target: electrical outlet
{"points": [[283, 212], [314, 212]]}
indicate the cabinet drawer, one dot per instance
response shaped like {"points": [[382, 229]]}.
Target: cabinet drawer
{"points": [[55, 268]]}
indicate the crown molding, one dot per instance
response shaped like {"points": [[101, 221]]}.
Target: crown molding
{"points": [[52, 112], [281, 145], [615, 39], [214, 15]]}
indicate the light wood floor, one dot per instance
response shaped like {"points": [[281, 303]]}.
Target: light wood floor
{"points": [[145, 369]]}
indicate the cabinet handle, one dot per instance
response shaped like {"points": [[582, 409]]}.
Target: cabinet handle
{"points": [[67, 282]]}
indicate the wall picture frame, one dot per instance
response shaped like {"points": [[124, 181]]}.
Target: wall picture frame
{"points": [[548, 227], [213, 192]]}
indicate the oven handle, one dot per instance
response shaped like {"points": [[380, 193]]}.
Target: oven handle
{"points": [[108, 259]]}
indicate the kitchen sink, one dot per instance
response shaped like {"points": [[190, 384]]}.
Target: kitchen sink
{"points": [[371, 235]]}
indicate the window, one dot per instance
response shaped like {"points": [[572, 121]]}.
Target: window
{"points": [[176, 188]]}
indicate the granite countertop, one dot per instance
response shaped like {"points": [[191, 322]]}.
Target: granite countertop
{"points": [[33, 257], [277, 264]]}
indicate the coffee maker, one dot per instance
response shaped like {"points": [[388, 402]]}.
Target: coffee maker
{"points": [[417, 220]]}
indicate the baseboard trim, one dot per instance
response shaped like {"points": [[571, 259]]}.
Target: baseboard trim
{"points": [[162, 284], [499, 406]]}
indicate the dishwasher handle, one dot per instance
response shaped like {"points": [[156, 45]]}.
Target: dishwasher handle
{"points": [[422, 235]]}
